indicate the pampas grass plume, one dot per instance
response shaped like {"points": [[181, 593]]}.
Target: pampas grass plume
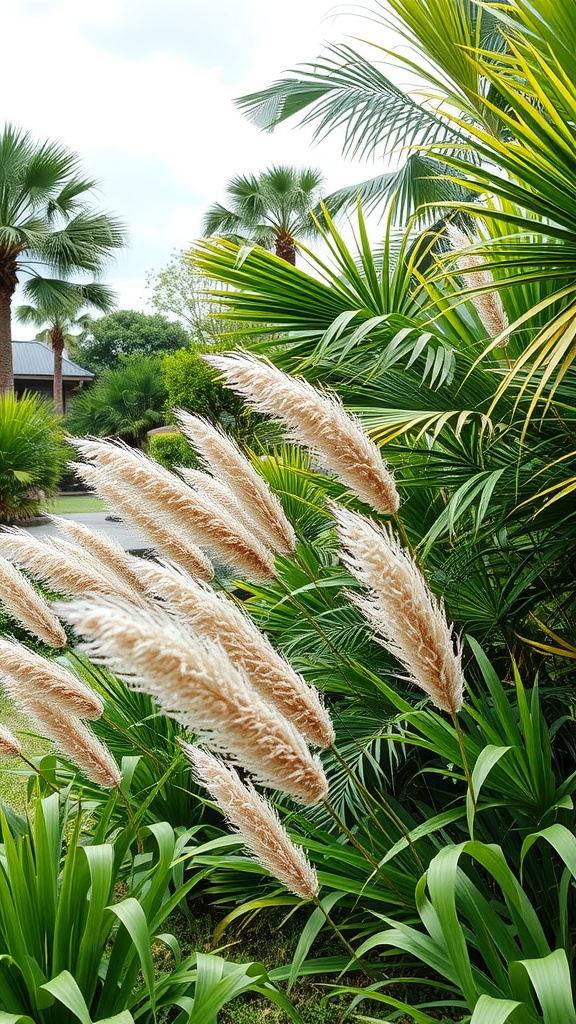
{"points": [[164, 533], [63, 566], [217, 618], [256, 822], [489, 305], [26, 605], [9, 745], [316, 420], [196, 683], [28, 676], [75, 741], [406, 617], [221, 455], [158, 490]]}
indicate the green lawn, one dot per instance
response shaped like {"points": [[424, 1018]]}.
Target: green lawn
{"points": [[69, 504], [13, 784]]}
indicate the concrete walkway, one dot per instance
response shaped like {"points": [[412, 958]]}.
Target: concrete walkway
{"points": [[129, 538]]}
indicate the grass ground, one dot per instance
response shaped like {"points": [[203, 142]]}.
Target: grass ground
{"points": [[12, 783], [69, 504]]}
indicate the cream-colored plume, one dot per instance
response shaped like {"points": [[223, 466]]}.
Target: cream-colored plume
{"points": [[219, 494], [489, 305], [104, 548], [64, 567], [406, 617], [76, 741], [158, 490], [30, 677], [162, 529], [216, 617], [221, 455], [317, 420], [257, 822], [195, 682], [9, 745], [24, 603]]}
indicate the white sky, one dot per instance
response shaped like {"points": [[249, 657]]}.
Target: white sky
{"points": [[143, 91]]}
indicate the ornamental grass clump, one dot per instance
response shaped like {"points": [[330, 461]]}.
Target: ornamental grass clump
{"points": [[404, 614], [222, 457], [216, 617], [195, 682], [257, 823], [159, 491], [316, 420]]}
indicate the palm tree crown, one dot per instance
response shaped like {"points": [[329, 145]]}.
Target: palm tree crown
{"points": [[271, 209], [56, 308], [46, 220]]}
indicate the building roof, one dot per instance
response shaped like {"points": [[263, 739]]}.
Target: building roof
{"points": [[34, 359]]}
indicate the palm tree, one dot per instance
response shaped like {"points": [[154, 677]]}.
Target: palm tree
{"points": [[271, 209], [46, 219], [57, 306]]}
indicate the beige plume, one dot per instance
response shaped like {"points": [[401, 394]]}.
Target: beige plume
{"points": [[257, 823], [62, 566], [76, 741], [157, 489], [102, 547], [196, 683], [217, 618], [489, 305], [219, 494], [9, 745], [221, 455], [30, 677], [24, 603], [317, 420], [406, 617], [162, 529]]}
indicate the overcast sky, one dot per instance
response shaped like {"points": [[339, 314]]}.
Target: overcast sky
{"points": [[143, 90]]}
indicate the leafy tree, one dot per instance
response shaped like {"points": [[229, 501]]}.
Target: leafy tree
{"points": [[177, 290], [57, 307], [126, 333], [124, 402], [46, 218], [271, 209], [194, 386]]}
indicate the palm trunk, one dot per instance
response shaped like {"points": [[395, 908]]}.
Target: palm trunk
{"points": [[57, 341], [286, 249], [6, 371]]}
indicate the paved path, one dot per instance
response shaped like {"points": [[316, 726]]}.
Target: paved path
{"points": [[129, 538]]}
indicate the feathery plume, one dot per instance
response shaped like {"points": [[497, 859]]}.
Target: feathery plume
{"points": [[220, 495], [196, 683], [24, 603], [76, 741], [217, 618], [30, 677], [63, 566], [222, 456], [257, 823], [9, 745], [405, 615], [158, 489], [164, 533], [104, 548], [316, 420], [489, 305]]}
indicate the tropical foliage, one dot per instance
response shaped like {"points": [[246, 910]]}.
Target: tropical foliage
{"points": [[441, 857], [124, 402], [33, 455]]}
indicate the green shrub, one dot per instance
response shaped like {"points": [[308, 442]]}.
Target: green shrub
{"points": [[171, 450], [193, 385], [33, 455], [125, 402]]}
